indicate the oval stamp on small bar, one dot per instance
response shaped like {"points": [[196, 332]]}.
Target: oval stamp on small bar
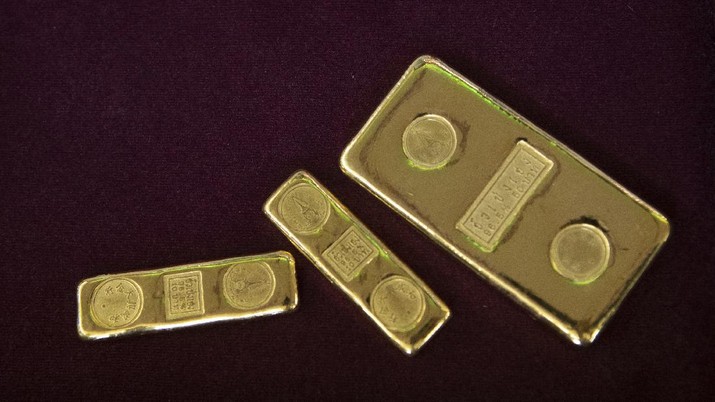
{"points": [[351, 257], [186, 295]]}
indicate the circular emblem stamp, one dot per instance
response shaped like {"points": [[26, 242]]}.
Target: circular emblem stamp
{"points": [[304, 208], [398, 303], [580, 252], [248, 285], [116, 303], [429, 141]]}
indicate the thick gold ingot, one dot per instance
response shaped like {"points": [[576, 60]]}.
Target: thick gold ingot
{"points": [[514, 204], [351, 257], [186, 295]]}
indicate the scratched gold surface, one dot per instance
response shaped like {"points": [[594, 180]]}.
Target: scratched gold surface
{"points": [[351, 257], [186, 295], [500, 221]]}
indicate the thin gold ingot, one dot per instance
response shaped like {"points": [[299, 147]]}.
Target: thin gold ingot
{"points": [[351, 257], [186, 295], [514, 204]]}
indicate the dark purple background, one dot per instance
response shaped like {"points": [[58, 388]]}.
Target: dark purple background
{"points": [[150, 136]]}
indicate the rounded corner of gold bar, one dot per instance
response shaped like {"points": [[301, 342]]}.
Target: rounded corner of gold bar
{"points": [[447, 313], [423, 60], [345, 163], [584, 339], [292, 305], [83, 335], [300, 174], [410, 350], [584, 333], [267, 206], [664, 228], [285, 254]]}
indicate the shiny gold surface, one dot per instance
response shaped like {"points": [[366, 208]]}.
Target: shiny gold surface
{"points": [[144, 301], [351, 257], [517, 206]]}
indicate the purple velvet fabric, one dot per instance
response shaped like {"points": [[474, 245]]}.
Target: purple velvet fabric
{"points": [[144, 136]]}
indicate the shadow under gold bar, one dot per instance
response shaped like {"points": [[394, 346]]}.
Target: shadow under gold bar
{"points": [[186, 295], [513, 203], [351, 257]]}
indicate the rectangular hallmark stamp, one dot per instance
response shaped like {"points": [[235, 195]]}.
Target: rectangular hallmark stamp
{"points": [[183, 295], [350, 253], [516, 180]]}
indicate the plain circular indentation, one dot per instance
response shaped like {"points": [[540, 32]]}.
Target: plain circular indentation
{"points": [[429, 141], [304, 208], [248, 285], [116, 303], [398, 303], [580, 252]]}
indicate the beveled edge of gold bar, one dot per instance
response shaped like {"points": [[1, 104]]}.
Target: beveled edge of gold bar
{"points": [[261, 311], [575, 332], [406, 348]]}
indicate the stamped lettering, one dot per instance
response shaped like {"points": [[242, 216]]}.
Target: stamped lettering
{"points": [[183, 295], [517, 179], [116, 303], [350, 253]]}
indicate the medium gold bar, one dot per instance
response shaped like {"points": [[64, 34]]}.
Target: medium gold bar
{"points": [[351, 257], [514, 204], [186, 295]]}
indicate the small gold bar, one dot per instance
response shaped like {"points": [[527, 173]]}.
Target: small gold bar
{"points": [[514, 204], [186, 295], [352, 258]]}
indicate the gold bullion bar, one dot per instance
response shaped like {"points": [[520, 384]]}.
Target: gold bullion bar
{"points": [[181, 296], [517, 206], [351, 257]]}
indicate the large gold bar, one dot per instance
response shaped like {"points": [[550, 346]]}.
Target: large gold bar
{"points": [[352, 258], [186, 295], [514, 204]]}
